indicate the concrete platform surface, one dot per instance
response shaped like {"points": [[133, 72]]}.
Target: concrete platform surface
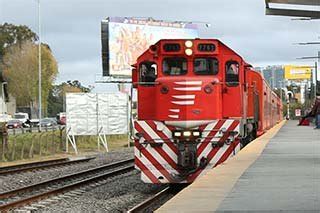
{"points": [[278, 172]]}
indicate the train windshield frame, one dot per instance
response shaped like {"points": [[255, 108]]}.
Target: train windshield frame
{"points": [[206, 66], [175, 66]]}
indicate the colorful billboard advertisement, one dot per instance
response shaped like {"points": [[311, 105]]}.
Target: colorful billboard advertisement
{"points": [[124, 39], [292, 72]]}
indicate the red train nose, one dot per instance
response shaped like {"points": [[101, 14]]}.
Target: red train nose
{"points": [[187, 99]]}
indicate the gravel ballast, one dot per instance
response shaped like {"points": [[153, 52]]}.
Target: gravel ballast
{"points": [[13, 181], [118, 194]]}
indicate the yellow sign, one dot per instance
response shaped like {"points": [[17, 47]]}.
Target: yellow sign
{"points": [[297, 72]]}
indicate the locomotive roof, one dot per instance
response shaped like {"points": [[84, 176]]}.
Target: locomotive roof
{"points": [[204, 39], [209, 39]]}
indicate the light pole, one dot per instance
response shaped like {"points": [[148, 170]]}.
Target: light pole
{"points": [[39, 61]]}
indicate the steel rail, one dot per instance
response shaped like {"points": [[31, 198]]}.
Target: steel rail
{"points": [[154, 200], [68, 187], [33, 163], [40, 165], [10, 193], [44, 195]]}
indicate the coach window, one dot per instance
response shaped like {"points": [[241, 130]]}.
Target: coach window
{"points": [[232, 73], [174, 66], [148, 73], [205, 66]]}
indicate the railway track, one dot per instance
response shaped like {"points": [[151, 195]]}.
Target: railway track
{"points": [[40, 165], [27, 195], [154, 202]]}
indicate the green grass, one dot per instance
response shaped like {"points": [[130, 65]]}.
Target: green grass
{"points": [[30, 145]]}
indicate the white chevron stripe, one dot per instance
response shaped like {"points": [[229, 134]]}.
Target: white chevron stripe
{"points": [[184, 96], [187, 88], [145, 178], [168, 133], [215, 159], [145, 161], [173, 116], [188, 82], [165, 147], [183, 102], [208, 148]]}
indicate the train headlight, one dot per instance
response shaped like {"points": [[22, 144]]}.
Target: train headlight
{"points": [[188, 44], [186, 133], [196, 134], [177, 134], [188, 52]]}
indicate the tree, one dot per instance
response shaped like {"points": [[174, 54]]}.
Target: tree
{"points": [[21, 71], [56, 98], [11, 34]]}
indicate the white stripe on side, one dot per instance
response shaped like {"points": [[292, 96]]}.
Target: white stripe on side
{"points": [[173, 116], [183, 102], [184, 96], [174, 110], [187, 88], [188, 82]]}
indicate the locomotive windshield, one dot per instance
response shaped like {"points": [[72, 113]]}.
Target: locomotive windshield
{"points": [[206, 66], [174, 66]]}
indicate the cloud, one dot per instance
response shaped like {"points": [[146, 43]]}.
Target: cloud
{"points": [[72, 28]]}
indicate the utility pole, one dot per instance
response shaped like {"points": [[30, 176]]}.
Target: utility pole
{"points": [[39, 62], [316, 70], [315, 73]]}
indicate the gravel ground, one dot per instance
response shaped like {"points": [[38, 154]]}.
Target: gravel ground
{"points": [[9, 182], [118, 194]]}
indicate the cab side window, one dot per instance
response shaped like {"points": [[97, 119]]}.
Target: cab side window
{"points": [[148, 73], [232, 73]]}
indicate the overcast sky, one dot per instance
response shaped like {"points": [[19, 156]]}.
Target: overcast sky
{"points": [[72, 29]]}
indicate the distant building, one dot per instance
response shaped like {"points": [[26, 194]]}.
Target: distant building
{"points": [[274, 75]]}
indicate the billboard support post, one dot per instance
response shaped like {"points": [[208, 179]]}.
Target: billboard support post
{"points": [[103, 140], [72, 141]]}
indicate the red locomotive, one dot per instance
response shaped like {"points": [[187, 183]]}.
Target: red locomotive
{"points": [[199, 103]]}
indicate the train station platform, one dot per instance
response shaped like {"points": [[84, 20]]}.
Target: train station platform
{"points": [[278, 172]]}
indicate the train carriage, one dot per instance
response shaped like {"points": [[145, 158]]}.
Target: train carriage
{"points": [[199, 103]]}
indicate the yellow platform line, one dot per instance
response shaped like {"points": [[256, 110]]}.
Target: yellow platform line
{"points": [[207, 192]]}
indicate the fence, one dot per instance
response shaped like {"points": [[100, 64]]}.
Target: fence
{"points": [[27, 143]]}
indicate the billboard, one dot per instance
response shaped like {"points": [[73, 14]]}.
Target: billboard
{"points": [[292, 72], [124, 39], [94, 114]]}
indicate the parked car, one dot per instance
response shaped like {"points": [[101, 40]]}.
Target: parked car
{"points": [[47, 122], [14, 124], [23, 117]]}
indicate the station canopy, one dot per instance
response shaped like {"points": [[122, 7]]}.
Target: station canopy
{"points": [[296, 8]]}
